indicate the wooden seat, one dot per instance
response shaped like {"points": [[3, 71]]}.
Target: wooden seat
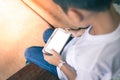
{"points": [[33, 72]]}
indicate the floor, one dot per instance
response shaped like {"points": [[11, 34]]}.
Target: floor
{"points": [[19, 28]]}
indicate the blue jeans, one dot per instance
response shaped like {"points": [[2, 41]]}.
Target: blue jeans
{"points": [[34, 54]]}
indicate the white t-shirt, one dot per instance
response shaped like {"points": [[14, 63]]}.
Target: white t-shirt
{"points": [[93, 57]]}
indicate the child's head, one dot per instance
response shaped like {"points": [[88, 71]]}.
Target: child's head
{"points": [[91, 5]]}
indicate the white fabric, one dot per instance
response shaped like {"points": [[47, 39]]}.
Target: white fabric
{"points": [[93, 57]]}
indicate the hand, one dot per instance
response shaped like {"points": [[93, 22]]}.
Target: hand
{"points": [[76, 33], [53, 59]]}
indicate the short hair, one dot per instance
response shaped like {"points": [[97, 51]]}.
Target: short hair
{"points": [[91, 5]]}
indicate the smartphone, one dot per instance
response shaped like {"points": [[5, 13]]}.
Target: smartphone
{"points": [[56, 41]]}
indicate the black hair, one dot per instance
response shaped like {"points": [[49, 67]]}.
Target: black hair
{"points": [[117, 2], [91, 5]]}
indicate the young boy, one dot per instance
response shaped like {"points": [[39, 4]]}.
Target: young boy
{"points": [[95, 55]]}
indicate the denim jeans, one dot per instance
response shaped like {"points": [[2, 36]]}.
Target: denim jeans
{"points": [[34, 54]]}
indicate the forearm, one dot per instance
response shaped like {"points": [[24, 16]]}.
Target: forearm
{"points": [[56, 60], [71, 75]]}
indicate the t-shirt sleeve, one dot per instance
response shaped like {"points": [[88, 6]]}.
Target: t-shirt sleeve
{"points": [[61, 75], [99, 72], [91, 75], [84, 75]]}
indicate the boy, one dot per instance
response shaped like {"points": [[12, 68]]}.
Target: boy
{"points": [[95, 55]]}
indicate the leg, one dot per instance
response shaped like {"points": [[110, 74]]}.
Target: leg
{"points": [[47, 34], [34, 54]]}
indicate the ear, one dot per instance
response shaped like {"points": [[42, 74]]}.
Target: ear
{"points": [[75, 16]]}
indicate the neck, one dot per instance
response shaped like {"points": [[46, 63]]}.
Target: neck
{"points": [[105, 22]]}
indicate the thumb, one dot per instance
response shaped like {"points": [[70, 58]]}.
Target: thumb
{"points": [[54, 52]]}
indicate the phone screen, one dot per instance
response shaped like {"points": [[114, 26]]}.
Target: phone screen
{"points": [[57, 40]]}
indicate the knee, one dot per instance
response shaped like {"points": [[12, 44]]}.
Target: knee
{"points": [[30, 51], [47, 34]]}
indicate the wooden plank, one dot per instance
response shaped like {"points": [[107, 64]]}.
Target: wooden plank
{"points": [[49, 11], [33, 72]]}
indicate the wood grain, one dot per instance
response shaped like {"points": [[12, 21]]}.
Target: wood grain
{"points": [[33, 72]]}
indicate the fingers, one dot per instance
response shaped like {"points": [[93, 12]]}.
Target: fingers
{"points": [[76, 33], [48, 54], [54, 52], [52, 59]]}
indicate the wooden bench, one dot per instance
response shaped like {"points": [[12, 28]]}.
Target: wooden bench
{"points": [[33, 72]]}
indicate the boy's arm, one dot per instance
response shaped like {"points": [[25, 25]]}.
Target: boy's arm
{"points": [[55, 59]]}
